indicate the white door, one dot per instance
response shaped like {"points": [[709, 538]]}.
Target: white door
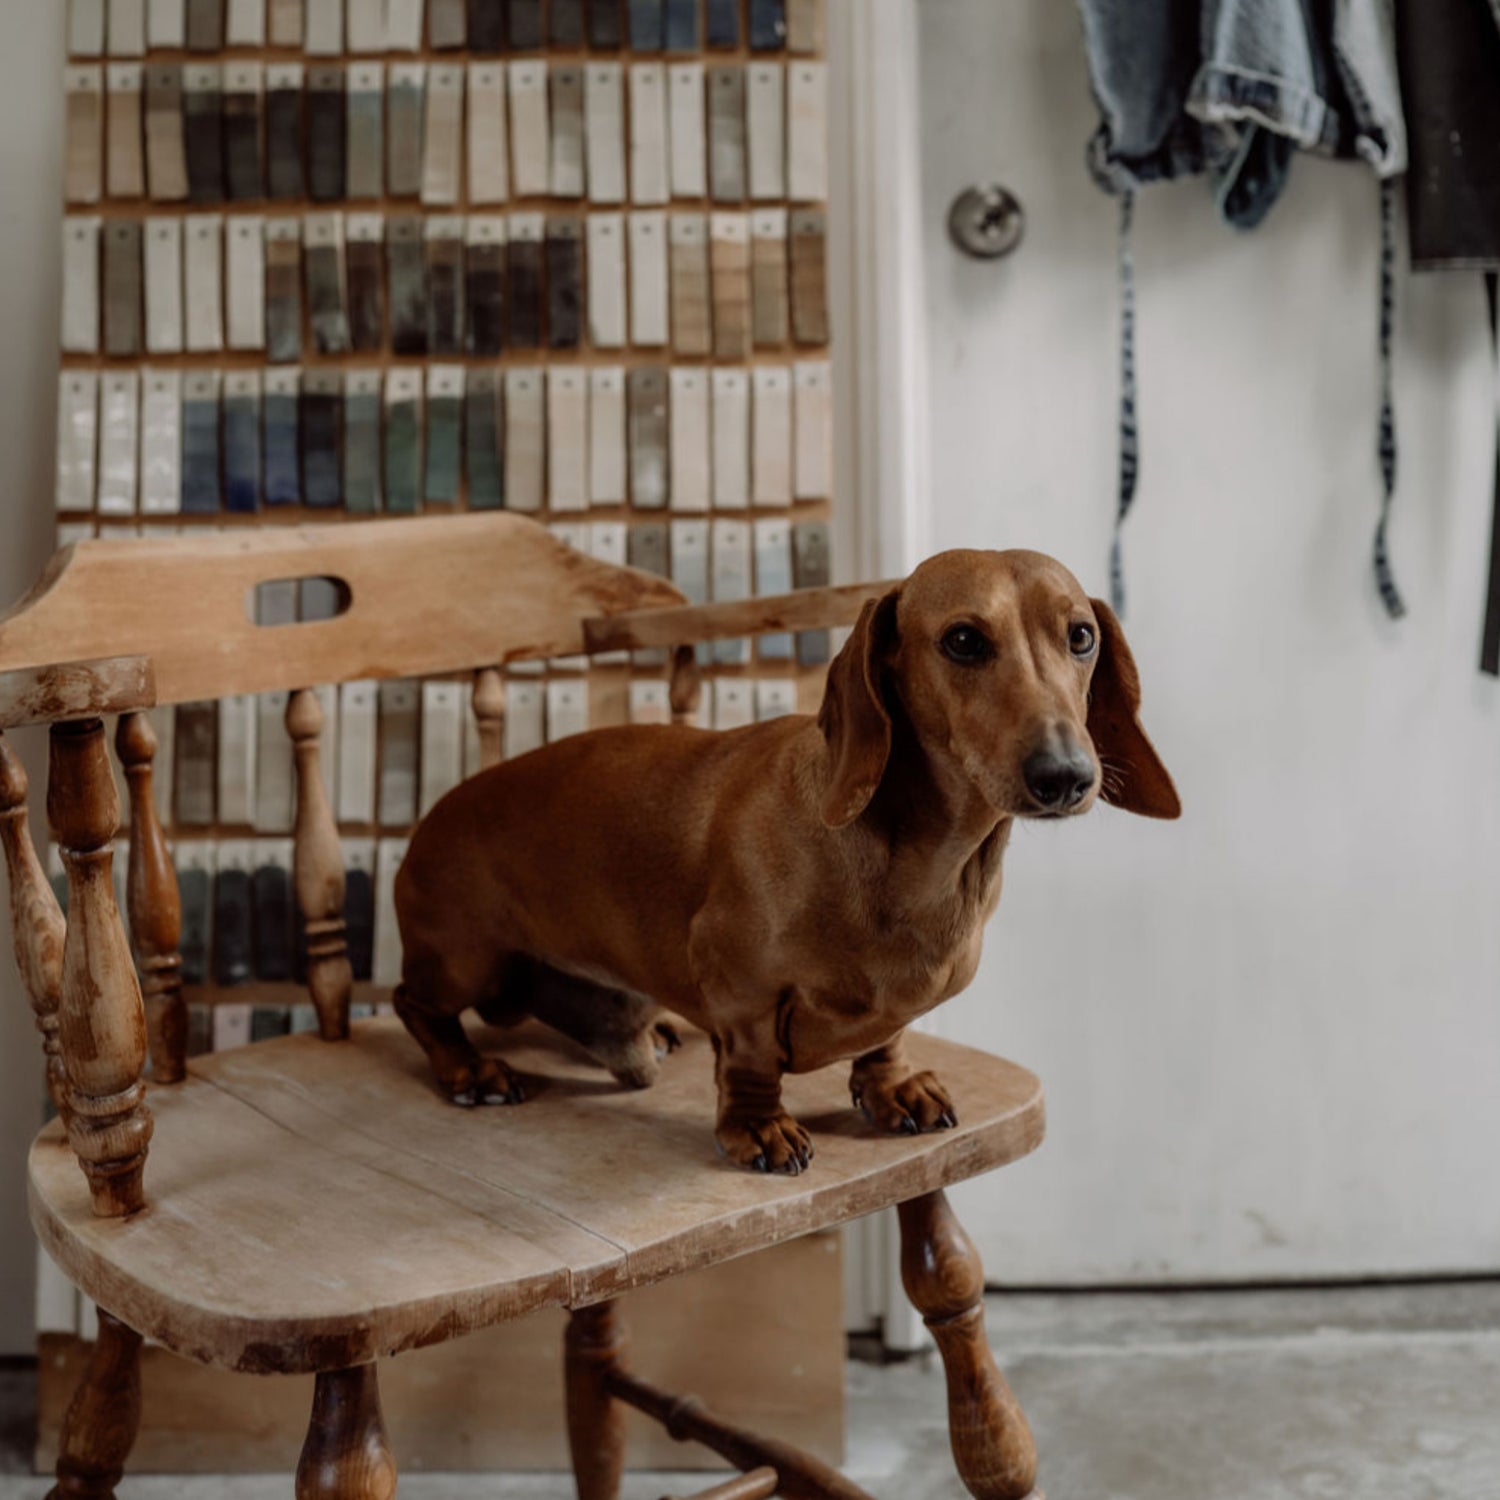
{"points": [[1270, 1034]]}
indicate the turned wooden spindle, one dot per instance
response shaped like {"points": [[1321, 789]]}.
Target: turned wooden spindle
{"points": [[318, 873], [100, 1427], [593, 1348], [685, 687], [154, 905], [36, 921], [799, 1476], [346, 1455], [489, 712], [942, 1274], [101, 1021], [600, 1387]]}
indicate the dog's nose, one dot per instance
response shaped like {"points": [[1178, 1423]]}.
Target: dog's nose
{"points": [[1058, 781]]}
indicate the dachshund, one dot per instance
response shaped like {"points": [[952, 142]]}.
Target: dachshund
{"points": [[802, 889]]}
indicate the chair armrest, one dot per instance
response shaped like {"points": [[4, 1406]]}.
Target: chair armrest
{"points": [[76, 690], [680, 625]]}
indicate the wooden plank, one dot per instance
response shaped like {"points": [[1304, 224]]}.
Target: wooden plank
{"points": [[494, 1401], [50, 693], [266, 1251], [425, 595], [802, 609], [640, 1168]]}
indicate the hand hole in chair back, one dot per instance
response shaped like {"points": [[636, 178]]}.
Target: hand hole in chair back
{"points": [[297, 601]]}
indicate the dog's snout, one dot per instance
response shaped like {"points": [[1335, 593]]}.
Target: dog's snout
{"points": [[1058, 778]]}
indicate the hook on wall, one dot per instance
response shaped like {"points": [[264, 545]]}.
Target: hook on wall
{"points": [[986, 222]]}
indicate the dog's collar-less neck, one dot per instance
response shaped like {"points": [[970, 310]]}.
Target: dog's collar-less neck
{"points": [[938, 822]]}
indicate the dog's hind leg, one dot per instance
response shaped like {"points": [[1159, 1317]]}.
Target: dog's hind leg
{"points": [[621, 1030], [466, 1077]]}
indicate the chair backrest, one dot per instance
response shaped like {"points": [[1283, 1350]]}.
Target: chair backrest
{"points": [[125, 626], [417, 597]]}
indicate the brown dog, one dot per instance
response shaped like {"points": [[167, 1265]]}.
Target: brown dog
{"points": [[802, 889]]}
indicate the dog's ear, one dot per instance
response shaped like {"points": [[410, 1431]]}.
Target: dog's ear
{"points": [[854, 718], [1133, 775]]}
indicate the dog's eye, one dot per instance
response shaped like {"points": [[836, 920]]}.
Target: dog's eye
{"points": [[966, 645], [1081, 639]]}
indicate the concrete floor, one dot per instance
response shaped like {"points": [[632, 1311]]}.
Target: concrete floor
{"points": [[1386, 1393]]}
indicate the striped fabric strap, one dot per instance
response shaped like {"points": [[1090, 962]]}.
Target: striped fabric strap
{"points": [[1489, 651], [1130, 453], [1384, 579]]}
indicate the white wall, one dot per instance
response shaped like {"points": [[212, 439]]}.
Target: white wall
{"points": [[31, 132], [1270, 1034]]}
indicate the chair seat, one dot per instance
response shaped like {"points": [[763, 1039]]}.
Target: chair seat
{"points": [[315, 1205]]}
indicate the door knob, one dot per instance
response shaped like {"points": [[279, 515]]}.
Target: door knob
{"points": [[986, 222]]}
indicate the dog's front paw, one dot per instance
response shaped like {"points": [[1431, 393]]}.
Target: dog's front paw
{"points": [[487, 1081], [775, 1144], [910, 1106]]}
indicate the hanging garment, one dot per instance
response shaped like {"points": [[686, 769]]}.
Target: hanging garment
{"points": [[1231, 90], [1449, 51]]}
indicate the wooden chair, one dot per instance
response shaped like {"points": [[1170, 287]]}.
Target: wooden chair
{"points": [[313, 1208]]}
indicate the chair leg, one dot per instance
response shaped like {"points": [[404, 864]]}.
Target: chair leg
{"points": [[940, 1269], [103, 1416], [596, 1420], [346, 1455]]}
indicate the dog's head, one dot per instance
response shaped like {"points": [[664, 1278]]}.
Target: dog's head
{"points": [[1007, 672]]}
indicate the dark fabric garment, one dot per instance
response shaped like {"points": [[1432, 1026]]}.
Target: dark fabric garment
{"points": [[203, 137], [487, 26], [231, 926], [1489, 648], [1449, 52], [326, 111], [406, 303], [242, 166], [322, 484], [680, 27], [359, 921], [271, 908], [485, 298], [484, 438], [646, 18], [200, 456], [523, 294], [767, 25], [282, 469], [565, 23], [445, 296], [564, 283], [362, 276], [193, 892], [722, 23], [242, 453], [605, 28], [444, 458], [1231, 88], [284, 143], [525, 25], [362, 451]]}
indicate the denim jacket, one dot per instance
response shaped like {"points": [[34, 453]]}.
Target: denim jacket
{"points": [[1232, 88]]}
